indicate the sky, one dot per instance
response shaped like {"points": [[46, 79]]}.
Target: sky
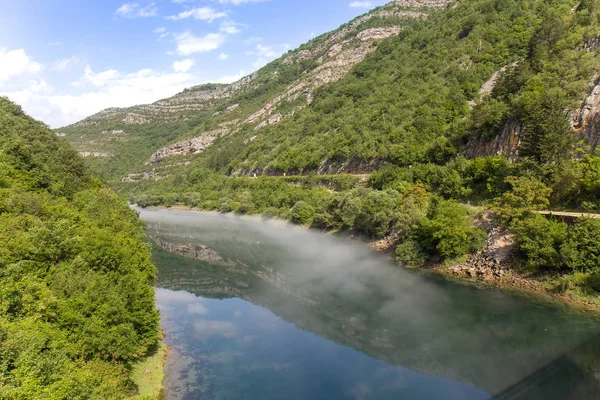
{"points": [[63, 60]]}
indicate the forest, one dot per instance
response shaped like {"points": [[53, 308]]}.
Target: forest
{"points": [[76, 282]]}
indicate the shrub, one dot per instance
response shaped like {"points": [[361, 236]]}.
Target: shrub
{"points": [[224, 205], [410, 253], [527, 194], [581, 250], [302, 213], [449, 231], [540, 239]]}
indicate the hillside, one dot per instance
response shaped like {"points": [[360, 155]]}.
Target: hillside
{"points": [[382, 88], [76, 281], [119, 142], [441, 105]]}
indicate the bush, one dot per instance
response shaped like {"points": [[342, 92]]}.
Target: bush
{"points": [[323, 221], [224, 205], [581, 250], [540, 239], [410, 254], [302, 213], [527, 194], [270, 213], [449, 231]]}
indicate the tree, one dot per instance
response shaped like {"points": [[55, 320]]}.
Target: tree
{"points": [[540, 239], [302, 213], [449, 231], [526, 194], [581, 249], [547, 134]]}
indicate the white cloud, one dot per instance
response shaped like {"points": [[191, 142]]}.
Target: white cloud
{"points": [[99, 79], [238, 2], [200, 13], [183, 65], [253, 40], [223, 56], [32, 98], [15, 63], [267, 53], [65, 64], [187, 43], [205, 329], [231, 78], [134, 10], [197, 308], [230, 27], [361, 4], [160, 29]]}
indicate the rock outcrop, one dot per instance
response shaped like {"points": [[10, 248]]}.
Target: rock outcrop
{"points": [[423, 3], [493, 261], [86, 154], [506, 143], [586, 120], [189, 146]]}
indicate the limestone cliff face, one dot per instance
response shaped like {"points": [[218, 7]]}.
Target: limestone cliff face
{"points": [[585, 123], [586, 120], [506, 143], [190, 146]]}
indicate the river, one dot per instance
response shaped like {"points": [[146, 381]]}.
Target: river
{"points": [[259, 309]]}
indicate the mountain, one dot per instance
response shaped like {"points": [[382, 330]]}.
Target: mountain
{"points": [[393, 125], [390, 86], [76, 282], [121, 141]]}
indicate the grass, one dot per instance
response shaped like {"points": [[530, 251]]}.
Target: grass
{"points": [[148, 374]]}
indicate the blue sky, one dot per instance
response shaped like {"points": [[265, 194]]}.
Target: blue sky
{"points": [[63, 60]]}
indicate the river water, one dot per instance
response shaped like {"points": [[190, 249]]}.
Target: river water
{"points": [[262, 310]]}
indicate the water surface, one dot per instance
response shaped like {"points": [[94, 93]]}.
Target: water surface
{"points": [[261, 310]]}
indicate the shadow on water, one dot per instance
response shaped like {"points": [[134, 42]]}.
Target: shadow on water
{"points": [[511, 347]]}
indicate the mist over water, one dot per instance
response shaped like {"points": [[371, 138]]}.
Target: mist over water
{"points": [[257, 309]]}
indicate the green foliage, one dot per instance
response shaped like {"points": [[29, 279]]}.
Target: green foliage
{"points": [[302, 213], [76, 297], [410, 253], [581, 249], [526, 194], [540, 239], [448, 231]]}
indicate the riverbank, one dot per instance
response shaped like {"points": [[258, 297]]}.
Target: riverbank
{"points": [[149, 374], [496, 266]]}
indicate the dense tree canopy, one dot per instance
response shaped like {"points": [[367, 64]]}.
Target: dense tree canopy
{"points": [[76, 296]]}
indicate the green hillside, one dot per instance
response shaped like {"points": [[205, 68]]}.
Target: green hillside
{"points": [[76, 296], [119, 142], [441, 105]]}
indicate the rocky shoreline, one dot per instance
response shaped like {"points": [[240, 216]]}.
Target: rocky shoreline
{"points": [[494, 266]]}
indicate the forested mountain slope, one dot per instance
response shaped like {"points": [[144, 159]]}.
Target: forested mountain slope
{"points": [[76, 281], [486, 102], [119, 141], [410, 82]]}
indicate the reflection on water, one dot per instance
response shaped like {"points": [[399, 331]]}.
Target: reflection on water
{"points": [[260, 310], [232, 349]]}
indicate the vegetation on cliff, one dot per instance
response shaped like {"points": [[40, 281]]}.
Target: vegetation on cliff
{"points": [[76, 296]]}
